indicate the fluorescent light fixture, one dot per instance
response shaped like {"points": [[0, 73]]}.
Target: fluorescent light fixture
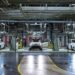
{"points": [[2, 23], [68, 24]]}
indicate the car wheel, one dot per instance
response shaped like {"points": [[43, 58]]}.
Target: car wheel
{"points": [[30, 49], [40, 48]]}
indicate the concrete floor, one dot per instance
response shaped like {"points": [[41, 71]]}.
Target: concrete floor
{"points": [[21, 64], [8, 65], [33, 65], [55, 64]]}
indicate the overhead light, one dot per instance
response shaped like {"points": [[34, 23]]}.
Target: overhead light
{"points": [[68, 24], [2, 23], [35, 23]]}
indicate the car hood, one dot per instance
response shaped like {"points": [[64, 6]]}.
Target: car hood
{"points": [[35, 43]]}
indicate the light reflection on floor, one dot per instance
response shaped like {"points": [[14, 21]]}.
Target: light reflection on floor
{"points": [[40, 62], [37, 65], [72, 63]]}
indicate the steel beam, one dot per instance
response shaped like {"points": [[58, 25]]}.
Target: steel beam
{"points": [[33, 21], [5, 2], [48, 9]]}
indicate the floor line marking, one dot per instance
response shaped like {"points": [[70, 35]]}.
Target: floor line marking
{"points": [[19, 69], [54, 68], [58, 69]]}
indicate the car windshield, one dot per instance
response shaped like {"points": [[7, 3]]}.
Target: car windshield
{"points": [[35, 40], [73, 41]]}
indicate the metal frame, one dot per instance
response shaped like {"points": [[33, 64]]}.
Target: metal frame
{"points": [[33, 21]]}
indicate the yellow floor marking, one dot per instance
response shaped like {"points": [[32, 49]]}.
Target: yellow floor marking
{"points": [[58, 69], [19, 69], [54, 68]]}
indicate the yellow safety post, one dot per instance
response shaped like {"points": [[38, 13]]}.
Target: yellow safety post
{"points": [[50, 45], [20, 44]]}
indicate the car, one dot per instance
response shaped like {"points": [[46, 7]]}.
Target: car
{"points": [[71, 45], [2, 44], [45, 44], [72, 5], [35, 44]]}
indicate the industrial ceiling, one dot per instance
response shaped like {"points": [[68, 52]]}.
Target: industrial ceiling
{"points": [[12, 9], [34, 2]]}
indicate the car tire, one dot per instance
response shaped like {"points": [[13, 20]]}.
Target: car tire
{"points": [[40, 48], [30, 48]]}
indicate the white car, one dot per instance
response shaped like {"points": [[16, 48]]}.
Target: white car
{"points": [[2, 45], [71, 45], [35, 44]]}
